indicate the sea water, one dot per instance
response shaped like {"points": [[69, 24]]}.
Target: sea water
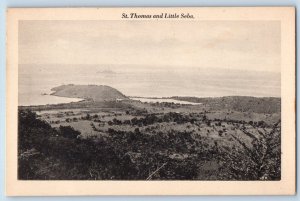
{"points": [[36, 81]]}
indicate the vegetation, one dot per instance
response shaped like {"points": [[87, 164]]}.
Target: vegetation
{"points": [[262, 161], [147, 146], [239, 103], [89, 92]]}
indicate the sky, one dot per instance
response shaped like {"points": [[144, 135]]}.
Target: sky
{"points": [[239, 45]]}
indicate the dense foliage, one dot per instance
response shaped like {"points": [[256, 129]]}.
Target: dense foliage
{"points": [[239, 103], [48, 153]]}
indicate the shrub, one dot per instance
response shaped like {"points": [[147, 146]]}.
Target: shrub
{"points": [[68, 132]]}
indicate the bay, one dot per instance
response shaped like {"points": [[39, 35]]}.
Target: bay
{"points": [[36, 80]]}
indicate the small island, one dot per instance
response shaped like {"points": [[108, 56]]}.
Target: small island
{"points": [[88, 92]]}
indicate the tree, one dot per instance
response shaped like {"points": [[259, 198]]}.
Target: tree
{"points": [[31, 130], [68, 132], [262, 161], [88, 116], [137, 130]]}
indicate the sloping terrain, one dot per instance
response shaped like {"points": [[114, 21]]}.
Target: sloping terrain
{"points": [[88, 92], [267, 105]]}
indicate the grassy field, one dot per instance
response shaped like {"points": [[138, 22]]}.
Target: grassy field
{"points": [[202, 142]]}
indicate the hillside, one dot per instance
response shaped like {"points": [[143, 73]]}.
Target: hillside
{"points": [[239, 103], [134, 144], [88, 92]]}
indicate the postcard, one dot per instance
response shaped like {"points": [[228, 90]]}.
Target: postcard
{"points": [[150, 101]]}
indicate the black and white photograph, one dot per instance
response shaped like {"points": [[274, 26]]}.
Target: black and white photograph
{"points": [[142, 99], [119, 100]]}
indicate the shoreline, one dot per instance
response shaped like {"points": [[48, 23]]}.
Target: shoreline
{"points": [[238, 103], [132, 98]]}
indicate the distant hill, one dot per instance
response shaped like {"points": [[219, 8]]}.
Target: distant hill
{"points": [[239, 103], [88, 92]]}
